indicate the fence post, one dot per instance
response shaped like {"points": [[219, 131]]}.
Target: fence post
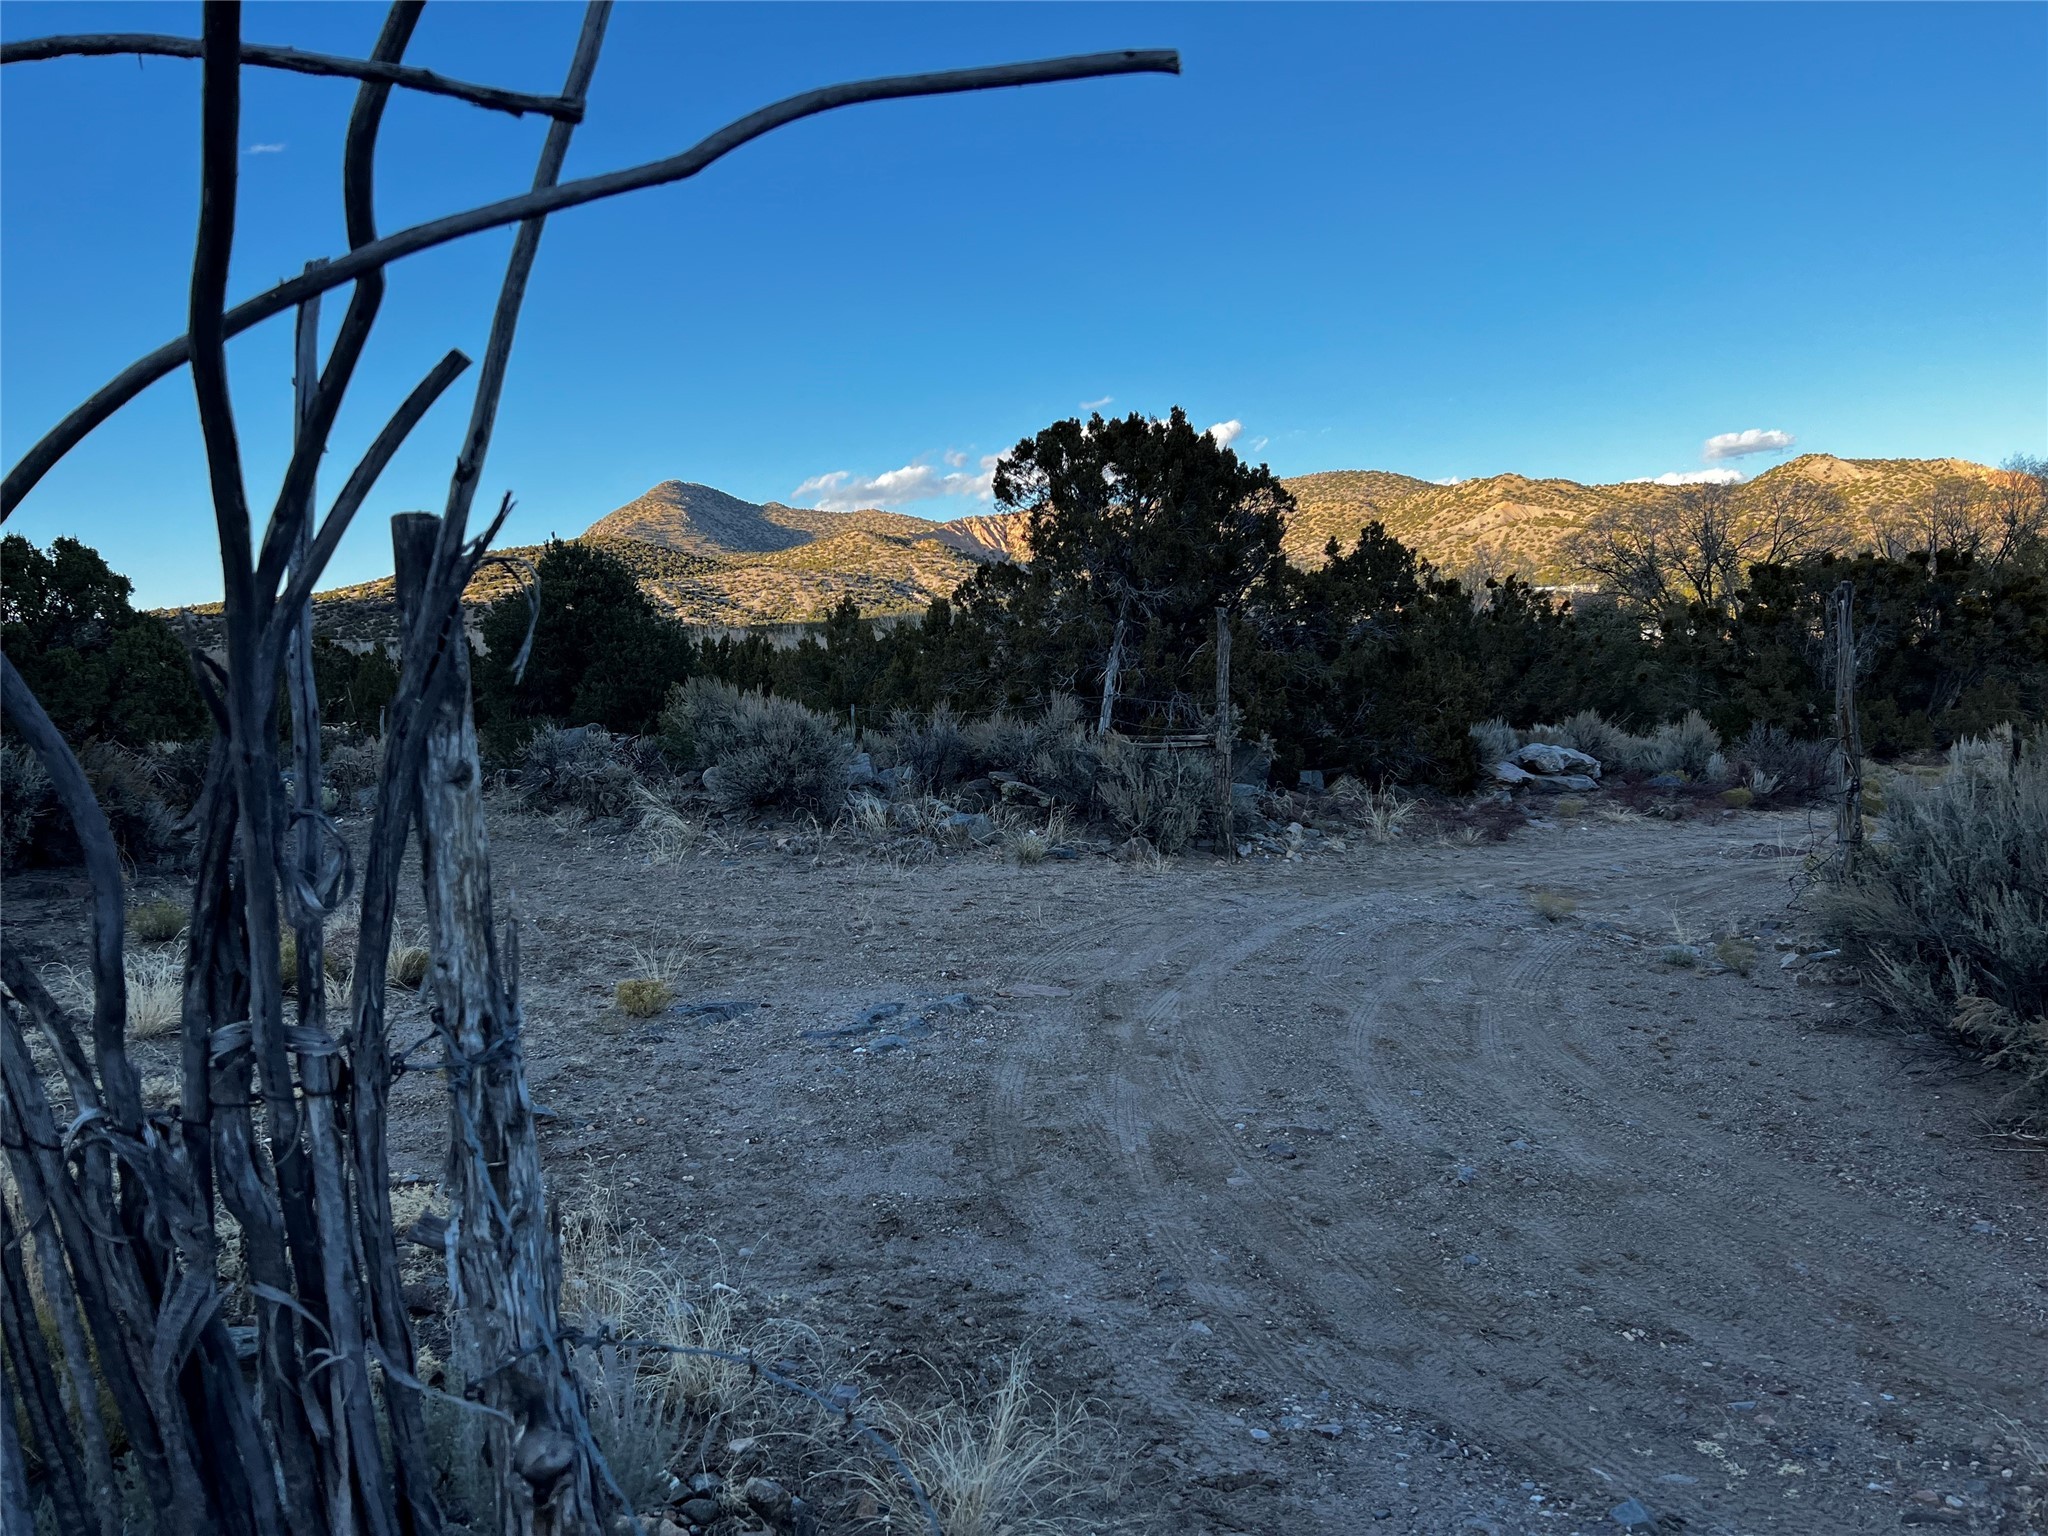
{"points": [[505, 1270], [1849, 813], [1226, 733]]}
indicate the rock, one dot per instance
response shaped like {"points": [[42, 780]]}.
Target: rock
{"points": [[1666, 781], [1283, 1150], [1633, 1515], [1471, 1261], [1329, 1431], [969, 826], [1547, 758], [767, 1498], [1136, 849], [1559, 783], [1984, 1227], [1747, 1405], [1200, 1330], [706, 1483], [700, 1511], [713, 1012], [1466, 1173], [861, 773], [1293, 1421], [1508, 773], [1261, 1435], [1245, 797], [1312, 780]]}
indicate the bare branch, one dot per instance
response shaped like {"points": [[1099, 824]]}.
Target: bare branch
{"points": [[358, 177], [306, 571], [268, 56], [138, 376], [490, 384]]}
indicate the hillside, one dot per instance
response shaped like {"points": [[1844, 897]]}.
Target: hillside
{"points": [[1509, 522], [712, 559]]}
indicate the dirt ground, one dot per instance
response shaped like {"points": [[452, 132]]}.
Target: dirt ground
{"points": [[1357, 1194]]}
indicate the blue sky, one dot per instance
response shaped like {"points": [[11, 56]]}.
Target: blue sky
{"points": [[1451, 241]]}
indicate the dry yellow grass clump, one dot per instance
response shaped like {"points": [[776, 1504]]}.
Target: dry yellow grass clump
{"points": [[156, 922], [1552, 906]]}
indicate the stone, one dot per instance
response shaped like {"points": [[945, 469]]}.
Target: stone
{"points": [[716, 1011], [1261, 1435], [700, 1511], [1330, 1430], [1508, 773], [707, 1483], [766, 1497], [1312, 780], [969, 826], [1666, 781], [1466, 1173], [1547, 758], [1283, 1150], [861, 774], [1471, 1261], [1633, 1515], [1560, 783]]}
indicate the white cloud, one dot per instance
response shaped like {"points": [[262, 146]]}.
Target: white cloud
{"points": [[841, 490], [1226, 432], [1690, 477], [1096, 405], [264, 149], [1258, 444], [1449, 480], [1733, 445]]}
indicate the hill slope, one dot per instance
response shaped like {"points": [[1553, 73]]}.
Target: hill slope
{"points": [[712, 559]]}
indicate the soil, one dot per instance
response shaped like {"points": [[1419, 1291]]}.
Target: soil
{"points": [[1357, 1194]]}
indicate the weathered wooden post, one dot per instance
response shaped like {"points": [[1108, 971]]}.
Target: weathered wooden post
{"points": [[1226, 734], [504, 1266], [1849, 813]]}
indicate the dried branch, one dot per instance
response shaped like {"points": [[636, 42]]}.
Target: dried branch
{"points": [[490, 384], [268, 56], [138, 376], [358, 201]]}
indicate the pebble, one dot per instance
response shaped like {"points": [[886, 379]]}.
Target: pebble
{"points": [[1518, 1145], [1200, 1329], [700, 1511], [1293, 1421], [1633, 1515], [1984, 1226], [1284, 1150], [1329, 1431], [1470, 1261], [1467, 1173], [1262, 1436], [706, 1483], [1747, 1405]]}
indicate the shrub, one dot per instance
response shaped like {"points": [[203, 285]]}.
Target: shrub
{"points": [[1593, 734], [642, 997], [28, 809], [1948, 913], [350, 764], [933, 746], [1739, 955], [584, 767], [1738, 798], [1163, 797], [156, 990], [1495, 741], [156, 922], [1552, 906], [757, 750], [1690, 746], [1783, 767]]}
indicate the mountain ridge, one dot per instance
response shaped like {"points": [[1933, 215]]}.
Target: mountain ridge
{"points": [[710, 558]]}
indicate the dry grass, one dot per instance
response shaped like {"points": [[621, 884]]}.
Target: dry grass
{"points": [[156, 922], [1739, 798], [1380, 813], [156, 989], [409, 966], [1009, 1463], [665, 836], [1552, 906], [652, 986]]}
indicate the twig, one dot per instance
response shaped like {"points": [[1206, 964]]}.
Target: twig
{"points": [[269, 56], [138, 376]]}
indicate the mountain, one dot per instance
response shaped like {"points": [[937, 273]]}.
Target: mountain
{"points": [[710, 558], [1509, 522]]}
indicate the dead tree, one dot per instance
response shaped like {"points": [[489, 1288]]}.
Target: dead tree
{"points": [[280, 1121]]}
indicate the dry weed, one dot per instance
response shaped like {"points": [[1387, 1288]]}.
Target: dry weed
{"points": [[1552, 906], [664, 834], [156, 989]]}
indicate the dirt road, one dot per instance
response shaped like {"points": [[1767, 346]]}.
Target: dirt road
{"points": [[1363, 1195]]}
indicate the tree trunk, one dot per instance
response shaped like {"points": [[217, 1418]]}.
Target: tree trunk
{"points": [[505, 1268], [1111, 669]]}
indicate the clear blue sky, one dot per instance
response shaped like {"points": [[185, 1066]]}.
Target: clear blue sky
{"points": [[1446, 240]]}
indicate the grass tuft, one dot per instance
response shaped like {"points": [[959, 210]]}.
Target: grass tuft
{"points": [[1739, 955], [156, 989], [1552, 906], [156, 922]]}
